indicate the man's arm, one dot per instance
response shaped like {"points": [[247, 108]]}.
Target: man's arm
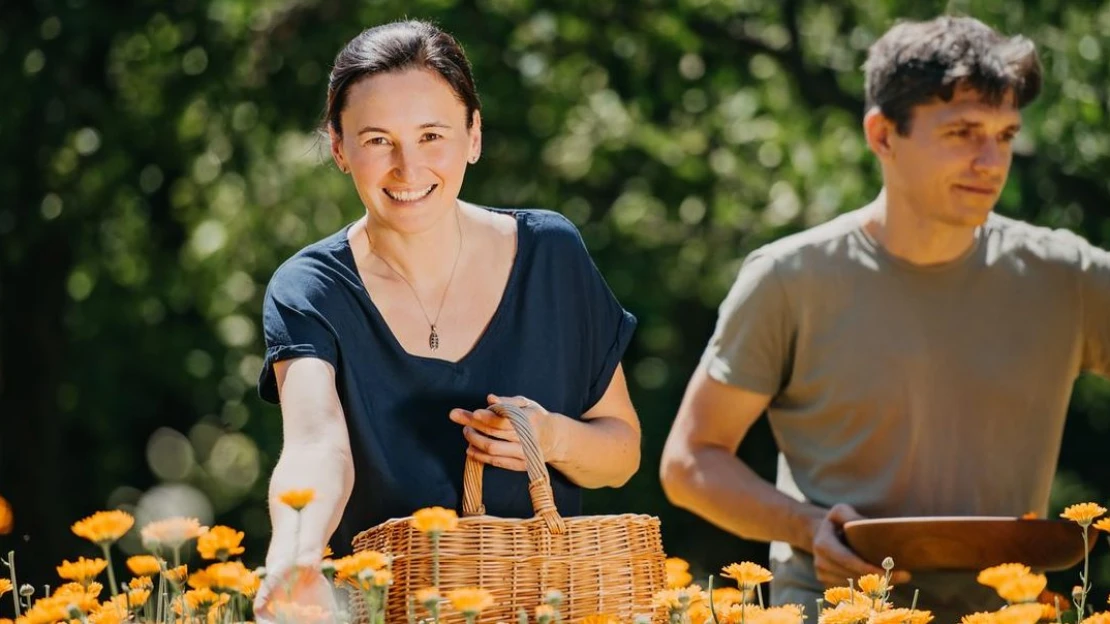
{"points": [[701, 473]]}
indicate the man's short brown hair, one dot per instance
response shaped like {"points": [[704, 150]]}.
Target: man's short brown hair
{"points": [[915, 62]]}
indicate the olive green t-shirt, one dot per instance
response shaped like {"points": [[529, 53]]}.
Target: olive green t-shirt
{"points": [[915, 391]]}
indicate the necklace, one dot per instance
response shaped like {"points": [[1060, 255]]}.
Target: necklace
{"points": [[433, 337]]}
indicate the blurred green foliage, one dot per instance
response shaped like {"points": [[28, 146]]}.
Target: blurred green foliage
{"points": [[161, 159]]}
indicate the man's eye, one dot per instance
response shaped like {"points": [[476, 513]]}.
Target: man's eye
{"points": [[431, 136]]}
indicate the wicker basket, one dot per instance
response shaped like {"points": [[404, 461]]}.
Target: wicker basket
{"points": [[610, 564]]}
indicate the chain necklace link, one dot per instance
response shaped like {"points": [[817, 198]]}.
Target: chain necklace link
{"points": [[433, 337]]}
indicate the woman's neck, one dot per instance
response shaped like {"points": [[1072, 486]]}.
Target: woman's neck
{"points": [[425, 259]]}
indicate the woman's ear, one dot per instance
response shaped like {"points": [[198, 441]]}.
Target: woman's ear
{"points": [[475, 132], [337, 149]]}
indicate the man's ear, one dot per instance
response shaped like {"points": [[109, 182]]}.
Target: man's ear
{"points": [[878, 130], [337, 149]]}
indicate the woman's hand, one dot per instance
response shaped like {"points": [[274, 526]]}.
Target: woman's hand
{"points": [[291, 582], [492, 438]]}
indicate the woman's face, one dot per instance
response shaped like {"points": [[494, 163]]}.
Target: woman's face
{"points": [[406, 143]]}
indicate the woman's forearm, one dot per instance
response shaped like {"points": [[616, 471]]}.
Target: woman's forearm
{"points": [[600, 452], [324, 466]]}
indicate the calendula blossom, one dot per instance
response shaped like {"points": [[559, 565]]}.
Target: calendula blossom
{"points": [[1083, 513], [872, 584], [785, 614], [171, 533], [83, 570], [220, 542], [470, 600], [177, 575], [7, 519], [92, 589], [545, 613], [600, 618], [144, 565], [141, 582], [1024, 588], [900, 616], [1103, 525], [230, 576], [747, 574], [837, 595], [1102, 617], [297, 499], [435, 520], [999, 574], [5, 586], [678, 572], [1018, 614], [104, 527], [845, 613], [427, 596]]}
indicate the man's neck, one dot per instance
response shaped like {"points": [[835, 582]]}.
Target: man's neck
{"points": [[904, 233]]}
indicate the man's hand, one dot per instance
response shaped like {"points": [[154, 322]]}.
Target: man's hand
{"points": [[834, 561]]}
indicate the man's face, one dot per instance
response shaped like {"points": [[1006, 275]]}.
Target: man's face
{"points": [[952, 165]]}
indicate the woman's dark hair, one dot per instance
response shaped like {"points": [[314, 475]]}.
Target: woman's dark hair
{"points": [[399, 46], [915, 62]]}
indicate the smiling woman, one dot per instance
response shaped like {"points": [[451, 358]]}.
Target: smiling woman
{"points": [[388, 341]]}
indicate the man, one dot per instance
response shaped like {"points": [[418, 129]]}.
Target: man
{"points": [[914, 356]]}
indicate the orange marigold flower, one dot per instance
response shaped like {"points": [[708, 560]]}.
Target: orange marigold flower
{"points": [[545, 613], [1048, 612], [982, 617], [144, 565], [5, 586], [1083, 513], [678, 572], [435, 520], [104, 527], [837, 595], [199, 580], [901, 616], [137, 597], [1102, 617], [201, 600], [1024, 588], [177, 575], [999, 574], [231, 576], [220, 542], [141, 582], [678, 599], [349, 567], [297, 499], [747, 574], [7, 519], [470, 600], [845, 613], [427, 596], [872, 584], [83, 570], [729, 595], [1018, 614], [784, 614], [171, 533], [1103, 525], [92, 589]]}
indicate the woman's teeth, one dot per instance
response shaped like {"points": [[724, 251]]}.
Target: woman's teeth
{"points": [[409, 196]]}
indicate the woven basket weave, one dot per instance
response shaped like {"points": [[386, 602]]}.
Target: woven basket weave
{"points": [[610, 564]]}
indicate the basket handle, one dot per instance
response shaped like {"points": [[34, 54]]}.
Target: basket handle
{"points": [[539, 480]]}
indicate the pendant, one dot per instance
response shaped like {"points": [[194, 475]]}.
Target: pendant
{"points": [[433, 339]]}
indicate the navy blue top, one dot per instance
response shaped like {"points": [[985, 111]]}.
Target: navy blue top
{"points": [[556, 337]]}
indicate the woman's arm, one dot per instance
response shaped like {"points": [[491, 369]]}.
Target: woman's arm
{"points": [[316, 454], [601, 450]]}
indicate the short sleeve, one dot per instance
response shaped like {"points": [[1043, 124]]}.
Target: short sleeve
{"points": [[295, 325], [751, 343], [1095, 297]]}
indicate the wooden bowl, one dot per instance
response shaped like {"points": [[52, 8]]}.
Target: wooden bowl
{"points": [[969, 543]]}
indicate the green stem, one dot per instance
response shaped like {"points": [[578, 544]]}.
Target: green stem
{"points": [[111, 573], [1086, 571], [15, 583], [712, 608], [435, 559], [177, 556], [161, 592], [759, 593]]}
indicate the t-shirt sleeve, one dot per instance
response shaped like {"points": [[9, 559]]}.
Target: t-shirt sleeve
{"points": [[295, 325], [751, 343], [1095, 297]]}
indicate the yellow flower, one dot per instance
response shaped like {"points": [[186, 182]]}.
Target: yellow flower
{"points": [[141, 582], [678, 600], [220, 542], [600, 618], [137, 597], [1024, 588], [845, 613], [872, 584], [747, 574], [5, 586], [1102, 617], [1048, 613], [106, 616], [729, 595], [1018, 614], [427, 596], [201, 600], [349, 567], [545, 613], [177, 575], [435, 520], [83, 570], [470, 600], [143, 565], [1103, 525], [7, 519], [837, 595], [383, 578], [982, 617], [1083, 513], [171, 533], [1000, 574], [678, 573], [93, 589], [297, 499], [230, 576], [900, 616], [104, 527], [786, 614]]}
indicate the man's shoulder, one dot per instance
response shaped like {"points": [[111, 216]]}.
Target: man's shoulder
{"points": [[815, 246], [1012, 238]]}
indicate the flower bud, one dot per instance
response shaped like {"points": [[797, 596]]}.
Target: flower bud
{"points": [[888, 564], [27, 590]]}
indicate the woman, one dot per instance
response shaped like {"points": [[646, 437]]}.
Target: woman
{"points": [[387, 340]]}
